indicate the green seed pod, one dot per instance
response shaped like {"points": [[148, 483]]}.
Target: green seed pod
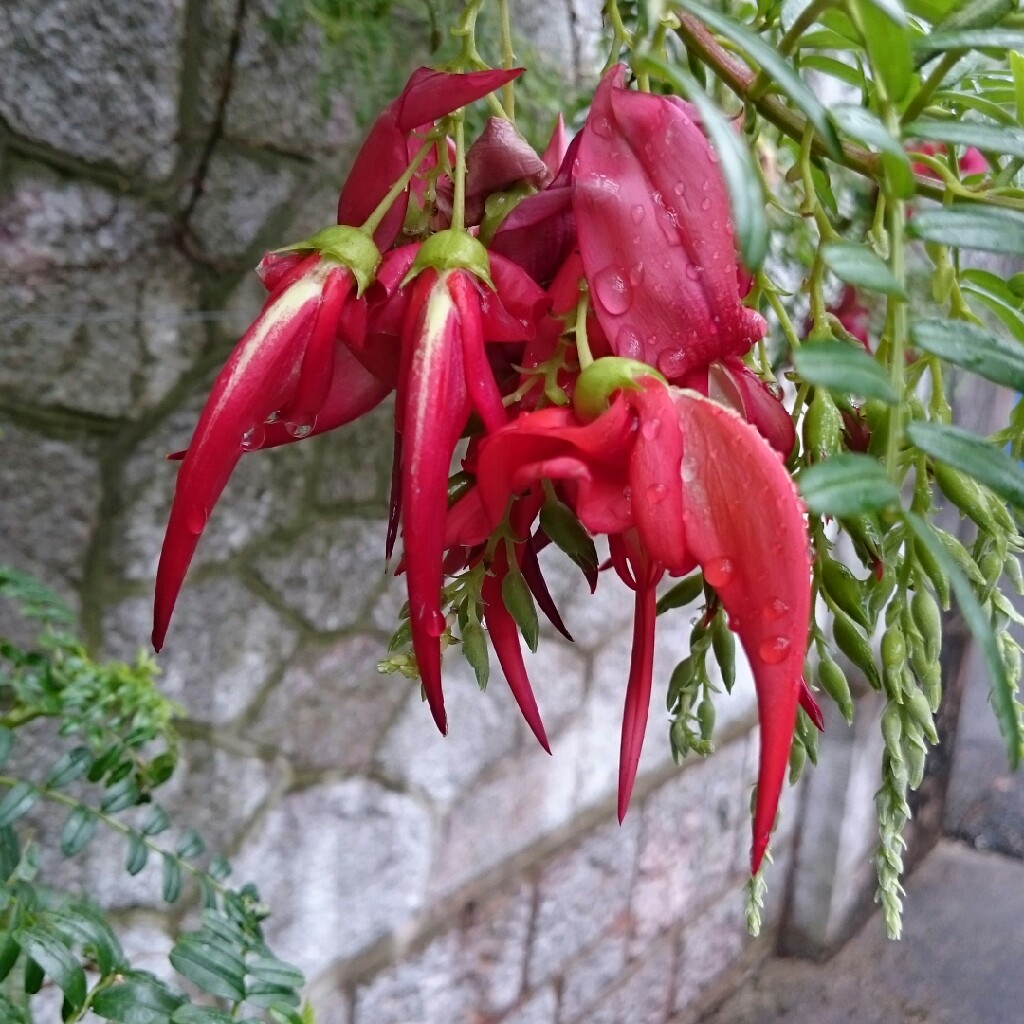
{"points": [[991, 566], [845, 589], [706, 719], [916, 755], [892, 731], [961, 556], [724, 645], [894, 657], [1011, 655], [867, 540], [519, 601], [852, 642], [966, 495], [924, 610], [1011, 567], [680, 681], [833, 682], [797, 759], [928, 567], [822, 426], [880, 590], [808, 735], [474, 647], [679, 740], [920, 711]]}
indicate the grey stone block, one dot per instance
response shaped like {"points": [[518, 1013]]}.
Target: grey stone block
{"points": [[343, 863], [100, 309], [223, 645], [643, 997], [354, 463], [49, 502], [583, 892], [592, 973], [98, 80], [330, 708], [538, 1009], [331, 574]]}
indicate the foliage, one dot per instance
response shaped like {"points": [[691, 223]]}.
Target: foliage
{"points": [[114, 742]]}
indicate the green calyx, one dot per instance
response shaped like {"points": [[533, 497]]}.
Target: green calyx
{"points": [[602, 378], [452, 250], [499, 205], [351, 247]]}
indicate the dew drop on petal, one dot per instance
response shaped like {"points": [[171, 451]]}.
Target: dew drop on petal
{"points": [[300, 425], [636, 274], [651, 428], [613, 290], [774, 649], [719, 572], [629, 344], [196, 519], [688, 472], [603, 127], [705, 203], [252, 438], [273, 417], [774, 610], [624, 507], [692, 272], [656, 493], [637, 213], [672, 362], [679, 188]]}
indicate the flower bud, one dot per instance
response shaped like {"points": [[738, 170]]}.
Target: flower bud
{"points": [[822, 426], [966, 495], [924, 610], [852, 642], [845, 589], [724, 644], [833, 682], [920, 711], [892, 732]]}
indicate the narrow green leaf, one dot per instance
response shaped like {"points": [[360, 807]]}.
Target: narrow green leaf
{"points": [[138, 854], [81, 924], [10, 852], [73, 765], [682, 594], [860, 266], [971, 455], [893, 10], [1003, 697], [171, 887], [834, 69], [742, 181], [20, 799], [888, 44], [842, 368], [972, 39], [215, 970], [861, 124], [1000, 299], [264, 994], [120, 796], [971, 227], [847, 485], [989, 355], [190, 845], [6, 744], [34, 976], [138, 999], [9, 953], [474, 647], [192, 1014], [519, 601], [219, 868], [275, 972], [56, 961], [1017, 68], [156, 821], [989, 137], [778, 69], [79, 828]]}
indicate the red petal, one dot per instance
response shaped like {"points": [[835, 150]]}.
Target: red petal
{"points": [[731, 383], [745, 526], [638, 695], [483, 390], [810, 706], [557, 146]]}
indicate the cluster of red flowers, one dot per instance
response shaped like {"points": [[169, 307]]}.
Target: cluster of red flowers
{"points": [[585, 331]]}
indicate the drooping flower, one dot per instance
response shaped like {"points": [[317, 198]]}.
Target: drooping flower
{"points": [[677, 480], [655, 233]]}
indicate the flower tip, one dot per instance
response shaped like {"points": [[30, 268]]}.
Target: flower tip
{"points": [[757, 852]]}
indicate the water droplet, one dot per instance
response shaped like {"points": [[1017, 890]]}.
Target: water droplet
{"points": [[692, 273], [651, 428], [719, 572], [705, 203], [775, 388], [689, 471], [679, 188], [658, 199], [252, 438], [300, 425], [636, 274], [774, 610], [628, 344], [774, 649], [624, 507], [637, 213], [197, 518], [671, 362], [613, 290], [656, 493], [273, 417], [603, 127]]}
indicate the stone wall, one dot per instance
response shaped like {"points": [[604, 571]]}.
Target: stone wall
{"points": [[149, 150]]}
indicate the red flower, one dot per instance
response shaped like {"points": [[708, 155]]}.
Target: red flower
{"points": [[678, 480], [655, 233]]}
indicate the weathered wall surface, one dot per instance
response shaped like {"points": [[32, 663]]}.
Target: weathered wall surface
{"points": [[149, 151]]}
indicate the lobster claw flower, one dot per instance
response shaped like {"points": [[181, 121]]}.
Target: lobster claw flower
{"points": [[281, 370], [656, 235]]}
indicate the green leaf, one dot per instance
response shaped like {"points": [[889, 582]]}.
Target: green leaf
{"points": [[742, 181], [1017, 68], [6, 744], [778, 69], [847, 485], [859, 265], [682, 594], [138, 999], [971, 455], [264, 994], [120, 796], [893, 10], [888, 45], [474, 647], [1003, 698], [90, 929], [971, 227], [138, 854], [79, 828], [844, 369], [190, 845], [519, 601], [989, 137], [276, 972], [861, 124], [20, 799], [171, 886], [73, 765], [993, 291], [989, 355], [972, 39], [219, 868], [156, 821], [56, 961], [9, 953], [191, 1014], [216, 970]]}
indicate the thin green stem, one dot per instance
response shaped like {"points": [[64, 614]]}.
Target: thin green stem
{"points": [[804, 20], [459, 199], [896, 324], [583, 353], [373, 221], [931, 85], [508, 59], [779, 309]]}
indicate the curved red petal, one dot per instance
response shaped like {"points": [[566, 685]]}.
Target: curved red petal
{"points": [[732, 383], [745, 526], [638, 695]]}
